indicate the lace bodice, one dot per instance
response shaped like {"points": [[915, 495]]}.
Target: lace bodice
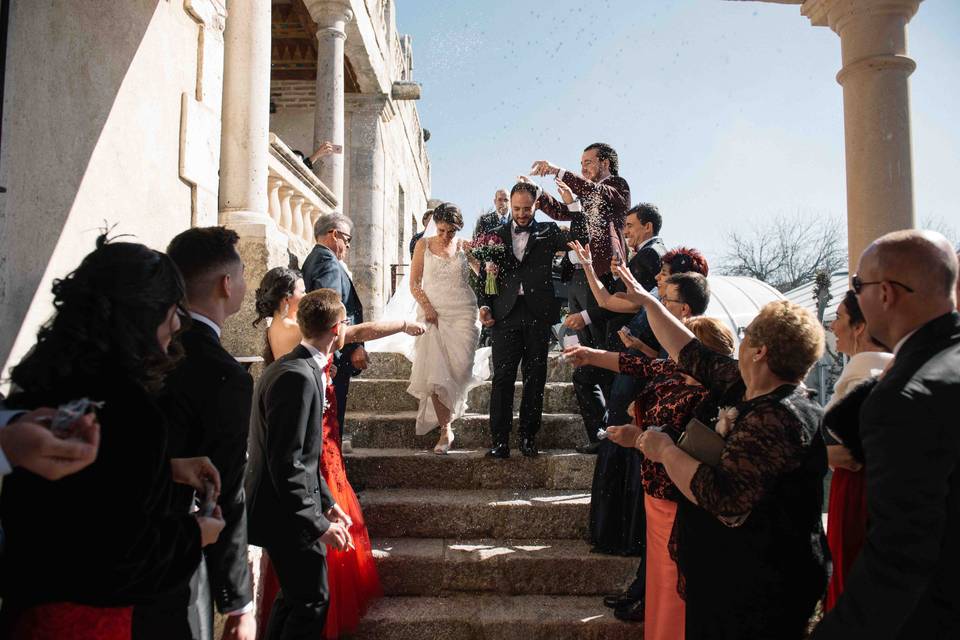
{"points": [[447, 280]]}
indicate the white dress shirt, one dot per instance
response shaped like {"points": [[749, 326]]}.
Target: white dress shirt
{"points": [[520, 241], [321, 360]]}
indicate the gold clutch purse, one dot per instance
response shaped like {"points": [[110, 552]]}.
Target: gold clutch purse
{"points": [[702, 443]]}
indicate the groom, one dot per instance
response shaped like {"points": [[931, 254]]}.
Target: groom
{"points": [[520, 316], [291, 511]]}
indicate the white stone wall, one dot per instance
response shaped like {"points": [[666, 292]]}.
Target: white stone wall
{"points": [[93, 106]]}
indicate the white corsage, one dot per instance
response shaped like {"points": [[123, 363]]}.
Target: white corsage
{"points": [[726, 417]]}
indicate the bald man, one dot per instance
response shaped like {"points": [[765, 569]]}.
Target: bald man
{"points": [[906, 581]]}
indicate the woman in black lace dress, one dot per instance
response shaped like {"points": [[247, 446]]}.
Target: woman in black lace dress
{"points": [[750, 538]]}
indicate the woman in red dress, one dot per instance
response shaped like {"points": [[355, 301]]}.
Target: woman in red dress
{"points": [[847, 510]]}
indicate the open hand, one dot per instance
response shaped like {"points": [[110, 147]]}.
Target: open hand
{"points": [[565, 193], [580, 356], [543, 168], [29, 444], [193, 471], [582, 251], [336, 536]]}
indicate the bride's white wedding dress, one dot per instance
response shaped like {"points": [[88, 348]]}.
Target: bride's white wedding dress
{"points": [[446, 361]]}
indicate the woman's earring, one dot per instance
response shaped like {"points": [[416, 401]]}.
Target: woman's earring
{"points": [[286, 308]]}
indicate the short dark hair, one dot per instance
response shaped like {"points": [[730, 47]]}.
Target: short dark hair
{"points": [[525, 187], [606, 152], [448, 213], [693, 290], [648, 213], [318, 312], [199, 251]]}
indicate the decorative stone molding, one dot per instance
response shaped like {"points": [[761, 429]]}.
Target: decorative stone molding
{"points": [[403, 90]]}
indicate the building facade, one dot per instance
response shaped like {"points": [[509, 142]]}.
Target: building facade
{"points": [[151, 116]]}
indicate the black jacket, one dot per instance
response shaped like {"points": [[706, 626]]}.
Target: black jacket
{"points": [[106, 535], [487, 223], [322, 270], [286, 497], [904, 583], [534, 272], [207, 403]]}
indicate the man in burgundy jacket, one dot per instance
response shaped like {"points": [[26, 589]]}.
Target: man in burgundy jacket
{"points": [[597, 216]]}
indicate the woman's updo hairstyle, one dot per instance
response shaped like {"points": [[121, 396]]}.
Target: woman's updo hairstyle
{"points": [[684, 260], [276, 285], [448, 213], [106, 317]]}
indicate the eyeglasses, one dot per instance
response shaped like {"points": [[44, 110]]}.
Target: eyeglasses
{"points": [[674, 300], [346, 237], [858, 284], [345, 322]]}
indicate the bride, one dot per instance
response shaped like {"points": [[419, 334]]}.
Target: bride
{"points": [[446, 361]]}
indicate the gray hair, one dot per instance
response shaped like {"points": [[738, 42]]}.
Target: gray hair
{"points": [[329, 221]]}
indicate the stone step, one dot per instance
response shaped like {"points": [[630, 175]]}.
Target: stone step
{"points": [[380, 395], [491, 617], [418, 566], [470, 514], [395, 366], [391, 430], [468, 469]]}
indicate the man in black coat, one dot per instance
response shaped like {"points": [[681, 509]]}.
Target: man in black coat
{"points": [[496, 218], [904, 583], [593, 386], [521, 315], [323, 269], [206, 401], [424, 220], [291, 511]]}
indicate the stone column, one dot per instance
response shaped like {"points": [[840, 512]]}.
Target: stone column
{"points": [[876, 113], [244, 149], [331, 17], [367, 192]]}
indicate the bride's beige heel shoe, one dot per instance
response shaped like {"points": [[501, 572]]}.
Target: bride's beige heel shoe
{"points": [[446, 441]]}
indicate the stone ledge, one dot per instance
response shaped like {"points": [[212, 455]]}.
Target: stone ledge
{"points": [[371, 394], [418, 566], [494, 618], [463, 514], [468, 469]]}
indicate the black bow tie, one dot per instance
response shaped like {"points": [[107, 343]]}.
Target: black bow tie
{"points": [[518, 229]]}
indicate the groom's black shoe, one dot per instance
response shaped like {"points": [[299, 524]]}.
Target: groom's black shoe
{"points": [[618, 600], [632, 612], [500, 450], [528, 446]]}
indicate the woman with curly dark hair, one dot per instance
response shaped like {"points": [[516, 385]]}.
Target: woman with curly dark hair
{"points": [[82, 551]]}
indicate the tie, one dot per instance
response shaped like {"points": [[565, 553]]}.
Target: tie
{"points": [[519, 229]]}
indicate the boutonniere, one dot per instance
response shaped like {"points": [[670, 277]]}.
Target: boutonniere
{"points": [[726, 417]]}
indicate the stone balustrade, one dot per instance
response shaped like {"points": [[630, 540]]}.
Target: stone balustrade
{"points": [[296, 197]]}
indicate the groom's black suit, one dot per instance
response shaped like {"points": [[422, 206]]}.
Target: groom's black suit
{"points": [[286, 497], [524, 310]]}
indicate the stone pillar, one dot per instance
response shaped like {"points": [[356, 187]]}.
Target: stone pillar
{"points": [[244, 150], [331, 17], [876, 113], [367, 193]]}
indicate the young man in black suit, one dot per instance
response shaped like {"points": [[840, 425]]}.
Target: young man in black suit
{"points": [[521, 315], [206, 400], [323, 269], [904, 582], [291, 511]]}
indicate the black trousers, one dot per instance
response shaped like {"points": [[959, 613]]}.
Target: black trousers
{"points": [[592, 387], [300, 609], [579, 298], [519, 339]]}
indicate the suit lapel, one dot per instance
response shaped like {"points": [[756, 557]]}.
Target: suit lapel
{"points": [[506, 234], [530, 240], [302, 353]]}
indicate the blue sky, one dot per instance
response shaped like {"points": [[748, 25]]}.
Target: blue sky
{"points": [[723, 113]]}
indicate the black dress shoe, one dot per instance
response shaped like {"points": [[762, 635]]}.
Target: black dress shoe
{"points": [[590, 448], [499, 450], [632, 612], [528, 446], [618, 600]]}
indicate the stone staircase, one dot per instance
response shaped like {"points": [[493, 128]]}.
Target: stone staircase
{"points": [[473, 548]]}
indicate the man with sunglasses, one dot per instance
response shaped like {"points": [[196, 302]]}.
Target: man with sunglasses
{"points": [[904, 582], [324, 269]]}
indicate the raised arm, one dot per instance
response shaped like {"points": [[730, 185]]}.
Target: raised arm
{"points": [[604, 298], [670, 331], [465, 246], [366, 331]]}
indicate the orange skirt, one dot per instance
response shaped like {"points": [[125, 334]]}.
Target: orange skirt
{"points": [[664, 610]]}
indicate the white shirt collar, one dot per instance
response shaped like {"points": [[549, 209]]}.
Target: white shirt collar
{"points": [[648, 242], [319, 357], [207, 321]]}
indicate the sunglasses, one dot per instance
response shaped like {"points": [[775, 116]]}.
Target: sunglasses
{"points": [[857, 283], [346, 237]]}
